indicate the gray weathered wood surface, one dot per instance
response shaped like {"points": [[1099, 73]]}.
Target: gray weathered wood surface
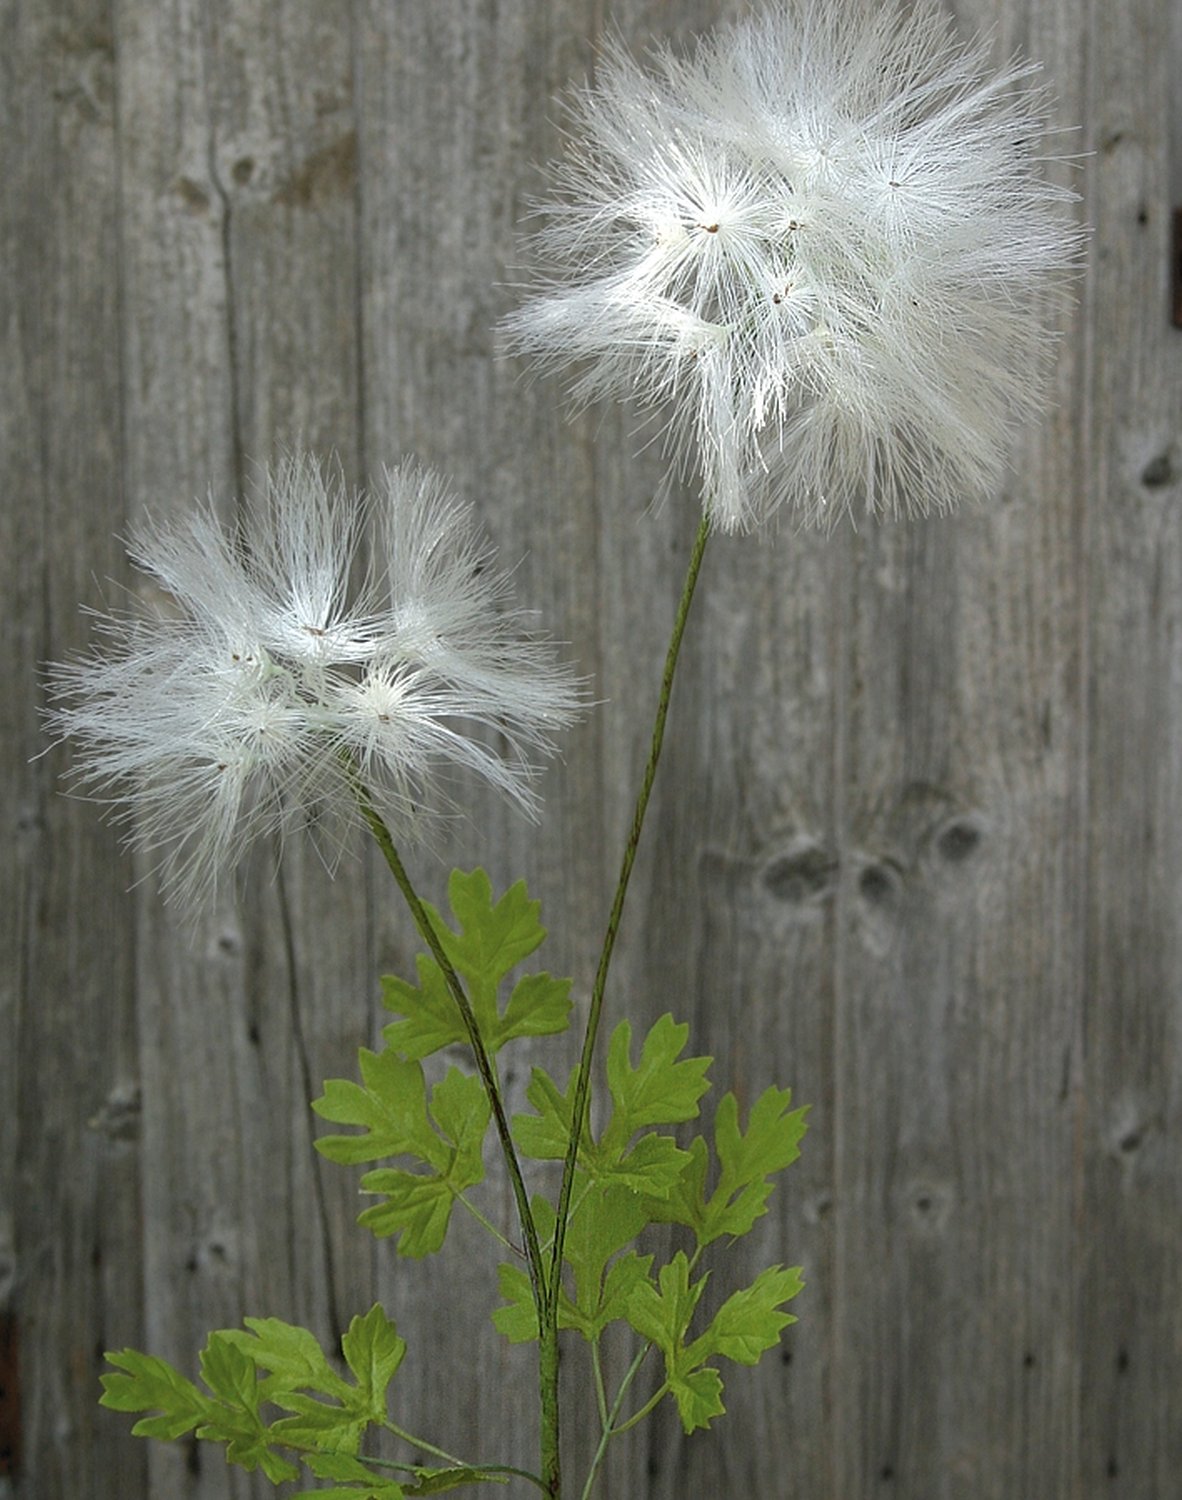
{"points": [[917, 850]]}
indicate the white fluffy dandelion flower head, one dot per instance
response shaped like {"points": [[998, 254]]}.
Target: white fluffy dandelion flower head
{"points": [[288, 673], [817, 246]]}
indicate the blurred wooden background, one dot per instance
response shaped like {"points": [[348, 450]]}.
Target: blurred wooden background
{"points": [[917, 849]]}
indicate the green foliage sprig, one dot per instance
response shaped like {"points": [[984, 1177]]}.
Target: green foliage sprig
{"points": [[632, 1173]]}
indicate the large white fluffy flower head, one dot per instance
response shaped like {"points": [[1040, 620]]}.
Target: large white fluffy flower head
{"points": [[280, 684], [816, 246]]}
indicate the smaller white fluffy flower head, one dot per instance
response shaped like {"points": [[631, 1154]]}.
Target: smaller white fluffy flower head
{"points": [[279, 682], [816, 245]]}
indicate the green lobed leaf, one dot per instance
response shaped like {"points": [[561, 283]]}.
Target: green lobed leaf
{"points": [[448, 1137], [432, 1019], [660, 1090], [662, 1313], [750, 1321], [314, 1424], [747, 1160], [277, 1363], [544, 1136], [374, 1486], [770, 1143], [373, 1351], [151, 1384], [605, 1217], [290, 1353], [622, 1278], [235, 1420], [391, 1103], [517, 1318], [489, 940], [699, 1397]]}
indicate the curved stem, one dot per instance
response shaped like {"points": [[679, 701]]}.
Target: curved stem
{"points": [[385, 1463], [583, 1088], [418, 1442], [484, 1063], [638, 1416], [488, 1224]]}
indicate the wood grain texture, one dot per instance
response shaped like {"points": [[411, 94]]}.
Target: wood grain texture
{"points": [[916, 850]]}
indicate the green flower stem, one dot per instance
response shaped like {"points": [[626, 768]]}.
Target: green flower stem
{"points": [[548, 1314], [484, 1064], [583, 1089]]}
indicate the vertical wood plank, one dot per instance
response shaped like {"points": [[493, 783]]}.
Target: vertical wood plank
{"points": [[955, 1346], [1131, 1223], [69, 1264], [239, 181]]}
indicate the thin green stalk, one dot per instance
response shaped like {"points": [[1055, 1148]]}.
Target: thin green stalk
{"points": [[484, 1063], [548, 1315], [608, 1421], [421, 1443], [638, 1416], [583, 1088], [600, 1393], [459, 1463], [480, 1218]]}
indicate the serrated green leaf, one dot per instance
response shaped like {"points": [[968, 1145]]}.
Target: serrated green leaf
{"points": [[392, 1105], [461, 1111], [659, 1090], [417, 1210], [228, 1372], [369, 1486], [431, 1017], [622, 1278], [342, 1466], [604, 1219], [540, 1005], [151, 1384], [653, 1166], [289, 1353], [750, 1321], [448, 1138], [545, 1135], [685, 1201], [234, 1419], [662, 1313], [747, 1159], [698, 1394], [489, 940], [314, 1424], [373, 1351], [517, 1319], [493, 937]]}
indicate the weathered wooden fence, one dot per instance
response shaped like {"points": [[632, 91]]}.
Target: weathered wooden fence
{"points": [[917, 850]]}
